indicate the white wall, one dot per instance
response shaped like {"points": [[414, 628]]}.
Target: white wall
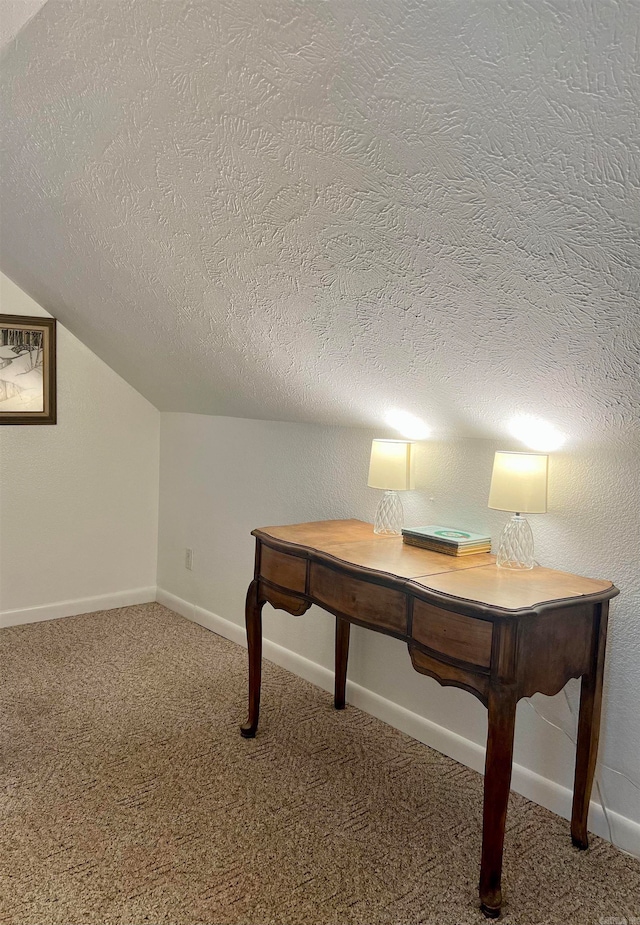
{"points": [[79, 499], [221, 477]]}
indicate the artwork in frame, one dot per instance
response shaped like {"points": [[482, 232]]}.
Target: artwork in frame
{"points": [[27, 370]]}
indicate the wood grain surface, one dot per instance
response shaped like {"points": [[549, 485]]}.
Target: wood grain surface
{"points": [[516, 589], [481, 581], [466, 639]]}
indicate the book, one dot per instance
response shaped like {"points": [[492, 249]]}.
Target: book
{"points": [[447, 540], [446, 548], [449, 535]]}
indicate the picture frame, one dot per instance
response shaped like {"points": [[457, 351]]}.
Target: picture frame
{"points": [[27, 370]]}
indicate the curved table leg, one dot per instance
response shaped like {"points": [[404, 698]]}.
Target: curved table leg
{"points": [[253, 617], [343, 628], [497, 780], [588, 734]]}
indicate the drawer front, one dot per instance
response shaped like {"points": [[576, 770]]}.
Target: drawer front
{"points": [[370, 603], [452, 634], [286, 571]]}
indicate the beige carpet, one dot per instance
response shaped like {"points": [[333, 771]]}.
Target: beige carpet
{"points": [[128, 796]]}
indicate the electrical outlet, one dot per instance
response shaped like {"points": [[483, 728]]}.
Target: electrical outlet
{"points": [[188, 558]]}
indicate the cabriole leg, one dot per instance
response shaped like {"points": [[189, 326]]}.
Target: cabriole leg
{"points": [[497, 780], [588, 735], [342, 654], [253, 618]]}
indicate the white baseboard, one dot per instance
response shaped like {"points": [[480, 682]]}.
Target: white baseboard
{"points": [[80, 605], [541, 790]]}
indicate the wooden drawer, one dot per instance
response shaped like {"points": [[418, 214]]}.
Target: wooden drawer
{"points": [[369, 603], [466, 639], [286, 571]]}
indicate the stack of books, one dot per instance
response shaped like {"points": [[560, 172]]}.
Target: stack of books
{"points": [[448, 540]]}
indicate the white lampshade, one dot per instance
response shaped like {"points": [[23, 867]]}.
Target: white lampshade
{"points": [[519, 483], [390, 467]]}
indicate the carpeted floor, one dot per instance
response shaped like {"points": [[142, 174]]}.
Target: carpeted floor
{"points": [[128, 796]]}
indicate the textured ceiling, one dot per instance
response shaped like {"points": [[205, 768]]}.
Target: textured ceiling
{"points": [[323, 210]]}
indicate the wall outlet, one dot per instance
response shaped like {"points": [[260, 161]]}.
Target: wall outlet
{"points": [[188, 558]]}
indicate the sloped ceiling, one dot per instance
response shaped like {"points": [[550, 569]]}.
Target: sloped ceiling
{"points": [[322, 210], [14, 14]]}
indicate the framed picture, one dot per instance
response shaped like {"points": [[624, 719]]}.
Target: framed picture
{"points": [[27, 370]]}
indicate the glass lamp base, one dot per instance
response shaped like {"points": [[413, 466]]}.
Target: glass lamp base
{"points": [[516, 544], [389, 516]]}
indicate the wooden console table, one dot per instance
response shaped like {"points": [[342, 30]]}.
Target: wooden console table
{"points": [[499, 634]]}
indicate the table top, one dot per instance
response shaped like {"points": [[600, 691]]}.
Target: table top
{"points": [[473, 578]]}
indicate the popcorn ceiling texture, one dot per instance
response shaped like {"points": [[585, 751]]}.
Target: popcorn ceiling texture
{"points": [[319, 211]]}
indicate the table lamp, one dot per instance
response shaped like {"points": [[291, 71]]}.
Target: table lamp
{"points": [[390, 469], [519, 484]]}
